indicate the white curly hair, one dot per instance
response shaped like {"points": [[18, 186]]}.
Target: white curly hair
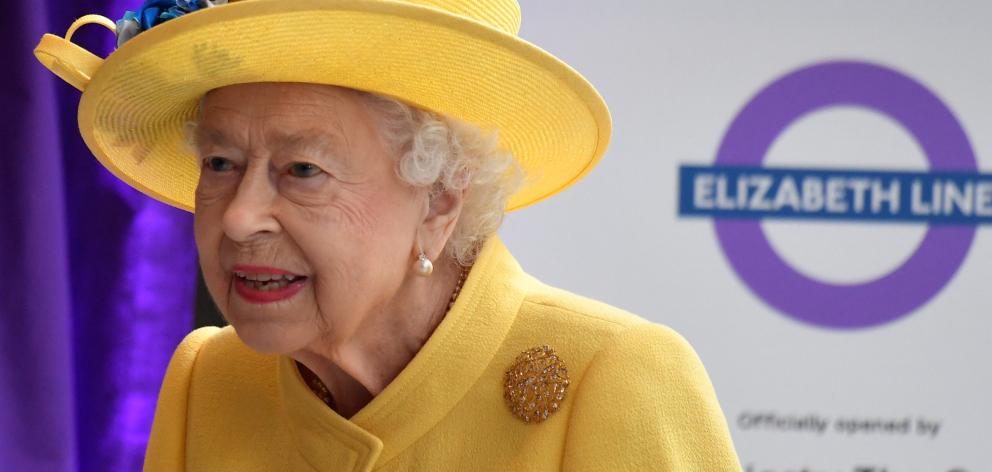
{"points": [[446, 154]]}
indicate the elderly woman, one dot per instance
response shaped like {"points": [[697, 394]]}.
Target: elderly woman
{"points": [[353, 161]]}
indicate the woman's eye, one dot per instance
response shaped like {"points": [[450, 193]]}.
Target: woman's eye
{"points": [[218, 164], [303, 170]]}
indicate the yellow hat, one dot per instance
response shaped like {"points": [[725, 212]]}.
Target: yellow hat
{"points": [[460, 58]]}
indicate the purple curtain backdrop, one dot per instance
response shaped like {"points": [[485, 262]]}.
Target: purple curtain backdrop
{"points": [[100, 280]]}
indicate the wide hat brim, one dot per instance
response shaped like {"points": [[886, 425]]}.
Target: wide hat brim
{"points": [[133, 110]]}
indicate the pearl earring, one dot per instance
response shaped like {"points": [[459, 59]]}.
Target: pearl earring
{"points": [[424, 265]]}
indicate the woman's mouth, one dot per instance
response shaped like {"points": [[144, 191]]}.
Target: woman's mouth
{"points": [[266, 284]]}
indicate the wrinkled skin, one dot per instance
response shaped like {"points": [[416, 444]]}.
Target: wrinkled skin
{"points": [[296, 177]]}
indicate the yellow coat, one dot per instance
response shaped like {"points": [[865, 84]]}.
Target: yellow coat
{"points": [[638, 399]]}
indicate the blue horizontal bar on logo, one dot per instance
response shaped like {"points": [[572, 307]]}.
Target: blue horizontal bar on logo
{"points": [[959, 198]]}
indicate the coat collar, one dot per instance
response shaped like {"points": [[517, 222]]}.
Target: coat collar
{"points": [[440, 374]]}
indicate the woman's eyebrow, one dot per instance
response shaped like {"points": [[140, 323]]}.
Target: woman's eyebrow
{"points": [[311, 142], [308, 141]]}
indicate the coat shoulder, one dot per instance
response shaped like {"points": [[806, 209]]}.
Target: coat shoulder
{"points": [[587, 331], [568, 313]]}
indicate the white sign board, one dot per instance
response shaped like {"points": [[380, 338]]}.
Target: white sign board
{"points": [[803, 190]]}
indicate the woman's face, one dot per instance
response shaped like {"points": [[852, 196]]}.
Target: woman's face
{"points": [[297, 185]]}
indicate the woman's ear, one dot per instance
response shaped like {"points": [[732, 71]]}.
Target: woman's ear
{"points": [[442, 215]]}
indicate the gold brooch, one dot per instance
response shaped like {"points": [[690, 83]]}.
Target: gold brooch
{"points": [[535, 384]]}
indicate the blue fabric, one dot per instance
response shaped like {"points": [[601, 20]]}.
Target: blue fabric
{"points": [[153, 13], [101, 279]]}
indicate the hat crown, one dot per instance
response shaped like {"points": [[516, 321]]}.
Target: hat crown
{"points": [[500, 14], [503, 15]]}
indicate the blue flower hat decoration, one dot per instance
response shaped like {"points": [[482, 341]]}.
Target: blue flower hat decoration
{"points": [[156, 12]]}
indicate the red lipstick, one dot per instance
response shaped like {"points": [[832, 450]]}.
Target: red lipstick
{"points": [[258, 284]]}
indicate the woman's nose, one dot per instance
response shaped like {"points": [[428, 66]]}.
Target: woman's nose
{"points": [[249, 213]]}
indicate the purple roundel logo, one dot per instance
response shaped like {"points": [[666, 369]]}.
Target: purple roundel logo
{"points": [[883, 90]]}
